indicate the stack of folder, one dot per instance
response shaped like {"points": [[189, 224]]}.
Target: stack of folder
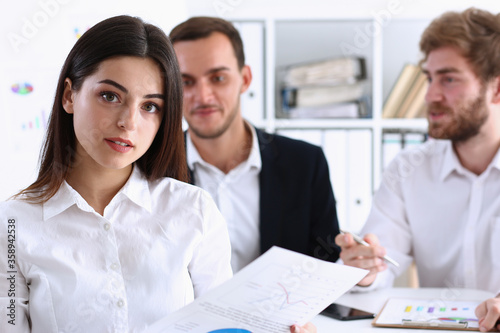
{"points": [[331, 88]]}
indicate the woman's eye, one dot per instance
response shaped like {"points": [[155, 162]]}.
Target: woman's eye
{"points": [[151, 108], [109, 97]]}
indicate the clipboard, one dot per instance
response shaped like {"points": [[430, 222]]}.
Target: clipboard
{"points": [[432, 314]]}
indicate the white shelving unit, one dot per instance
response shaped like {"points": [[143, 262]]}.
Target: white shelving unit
{"points": [[289, 40]]}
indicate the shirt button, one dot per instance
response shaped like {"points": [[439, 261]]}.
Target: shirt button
{"points": [[107, 226], [120, 303], [114, 266]]}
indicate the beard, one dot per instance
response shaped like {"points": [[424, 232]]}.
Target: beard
{"points": [[466, 122], [216, 132]]}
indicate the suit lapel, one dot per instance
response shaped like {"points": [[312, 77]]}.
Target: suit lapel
{"points": [[270, 191]]}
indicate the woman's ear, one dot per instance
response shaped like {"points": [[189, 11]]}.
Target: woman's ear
{"points": [[68, 97]]}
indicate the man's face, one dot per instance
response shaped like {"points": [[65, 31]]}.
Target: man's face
{"points": [[212, 84], [456, 99]]}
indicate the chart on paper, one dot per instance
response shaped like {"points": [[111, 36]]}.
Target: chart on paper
{"points": [[288, 297], [277, 290], [397, 311]]}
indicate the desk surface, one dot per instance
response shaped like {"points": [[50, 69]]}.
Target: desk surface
{"points": [[374, 301]]}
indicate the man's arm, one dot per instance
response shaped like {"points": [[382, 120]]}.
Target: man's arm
{"points": [[386, 229]]}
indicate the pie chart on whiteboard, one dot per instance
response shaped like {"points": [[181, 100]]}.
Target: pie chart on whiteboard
{"points": [[230, 330]]}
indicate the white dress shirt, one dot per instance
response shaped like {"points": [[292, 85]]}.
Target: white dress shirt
{"points": [[237, 196], [158, 245], [431, 208]]}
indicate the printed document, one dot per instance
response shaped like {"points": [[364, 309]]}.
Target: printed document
{"points": [[277, 290]]}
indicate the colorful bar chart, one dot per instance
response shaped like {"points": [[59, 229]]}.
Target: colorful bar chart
{"points": [[421, 313]]}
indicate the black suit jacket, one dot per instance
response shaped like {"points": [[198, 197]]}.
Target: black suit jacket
{"points": [[297, 205]]}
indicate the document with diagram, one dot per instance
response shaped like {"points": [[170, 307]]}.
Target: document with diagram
{"points": [[277, 290]]}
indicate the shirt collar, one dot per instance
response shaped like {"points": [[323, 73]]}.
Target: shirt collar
{"points": [[64, 198], [254, 159], [192, 154], [452, 163], [135, 189], [495, 163]]}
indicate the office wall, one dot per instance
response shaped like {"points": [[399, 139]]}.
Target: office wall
{"points": [[331, 8], [35, 37]]}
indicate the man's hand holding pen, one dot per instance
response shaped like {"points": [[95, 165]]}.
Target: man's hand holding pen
{"points": [[362, 256]]}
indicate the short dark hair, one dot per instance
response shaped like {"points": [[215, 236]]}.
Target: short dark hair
{"points": [[474, 33], [113, 37], [203, 26]]}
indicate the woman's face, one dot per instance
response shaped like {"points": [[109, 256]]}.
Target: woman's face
{"points": [[117, 111]]}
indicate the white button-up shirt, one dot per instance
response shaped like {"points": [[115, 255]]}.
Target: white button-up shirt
{"points": [[237, 196], [158, 245], [431, 208]]}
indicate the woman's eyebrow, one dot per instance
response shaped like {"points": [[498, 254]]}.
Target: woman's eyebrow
{"points": [[125, 90], [160, 96], [115, 84]]}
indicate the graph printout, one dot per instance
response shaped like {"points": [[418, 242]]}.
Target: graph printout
{"points": [[397, 310], [277, 290]]}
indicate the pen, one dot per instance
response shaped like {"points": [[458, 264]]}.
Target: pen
{"points": [[360, 240]]}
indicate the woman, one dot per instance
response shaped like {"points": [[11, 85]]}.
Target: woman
{"points": [[109, 238], [103, 241]]}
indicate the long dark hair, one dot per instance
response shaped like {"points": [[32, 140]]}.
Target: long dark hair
{"points": [[116, 36]]}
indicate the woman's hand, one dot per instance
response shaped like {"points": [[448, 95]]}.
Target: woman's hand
{"points": [[307, 328]]}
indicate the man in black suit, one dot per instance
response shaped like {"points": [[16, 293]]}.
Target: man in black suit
{"points": [[272, 190]]}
